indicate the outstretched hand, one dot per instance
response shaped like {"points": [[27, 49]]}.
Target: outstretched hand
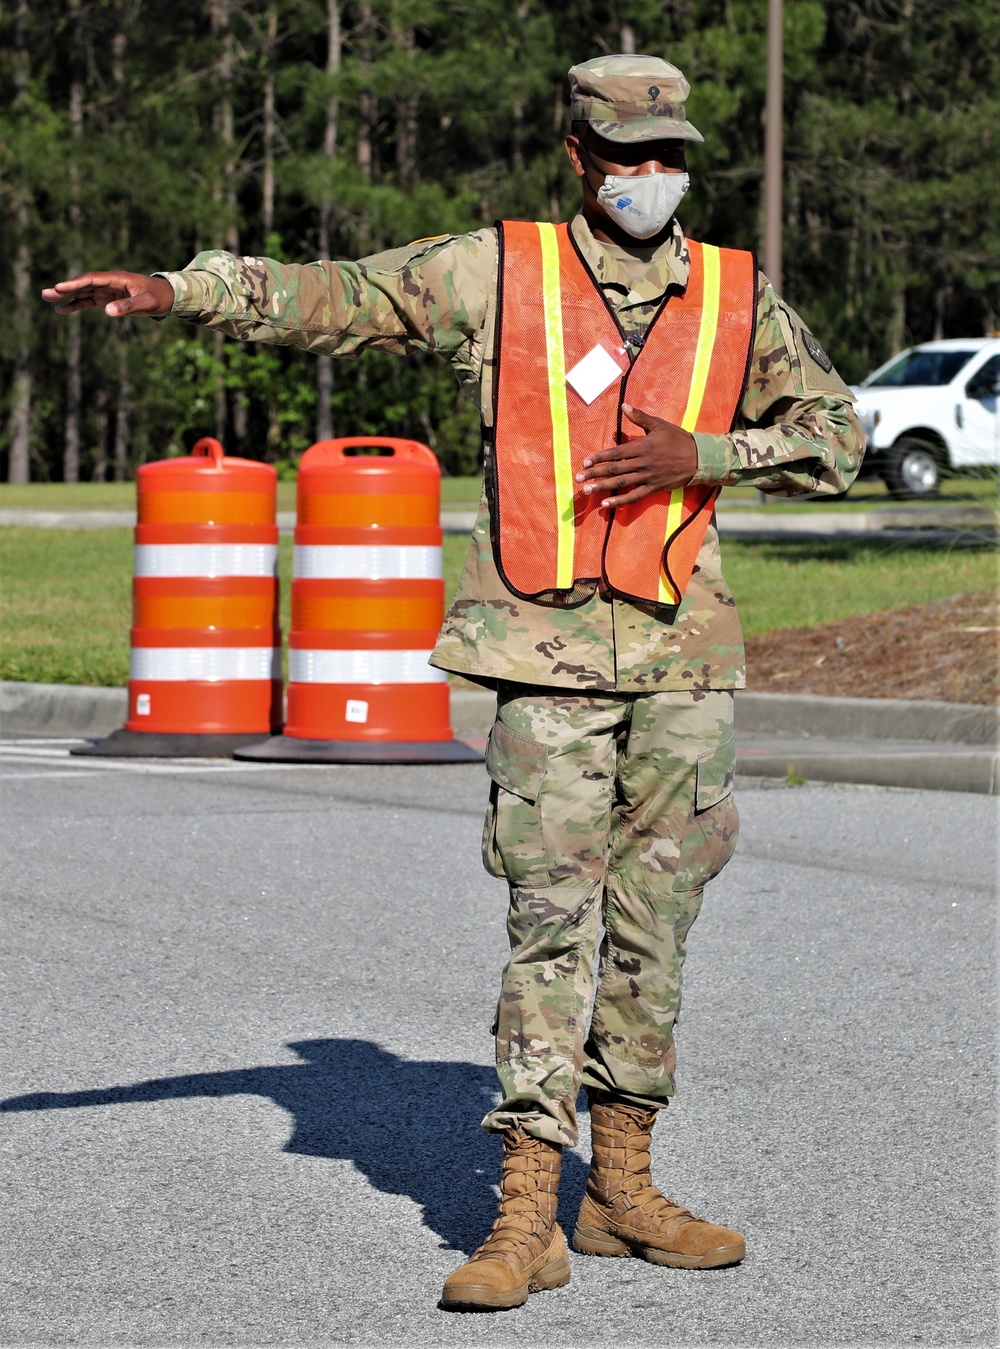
{"points": [[118, 293], [664, 458]]}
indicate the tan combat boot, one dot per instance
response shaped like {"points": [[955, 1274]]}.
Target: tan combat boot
{"points": [[624, 1214], [525, 1251]]}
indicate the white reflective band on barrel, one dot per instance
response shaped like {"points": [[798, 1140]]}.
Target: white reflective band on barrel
{"points": [[206, 559], [362, 667], [369, 561], [205, 662]]}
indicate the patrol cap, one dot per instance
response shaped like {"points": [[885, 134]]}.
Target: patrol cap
{"points": [[631, 98]]}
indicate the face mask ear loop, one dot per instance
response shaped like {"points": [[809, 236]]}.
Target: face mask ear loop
{"points": [[593, 189]]}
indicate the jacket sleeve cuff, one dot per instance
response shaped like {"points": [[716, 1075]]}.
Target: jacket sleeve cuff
{"points": [[715, 458], [195, 293]]}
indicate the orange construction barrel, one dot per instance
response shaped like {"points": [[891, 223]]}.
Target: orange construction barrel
{"points": [[367, 603], [205, 671]]}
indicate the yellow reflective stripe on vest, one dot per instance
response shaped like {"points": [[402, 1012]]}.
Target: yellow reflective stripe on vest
{"points": [[667, 594], [699, 382], [558, 410], [706, 335]]}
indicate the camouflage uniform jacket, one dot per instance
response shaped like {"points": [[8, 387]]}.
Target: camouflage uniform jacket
{"points": [[797, 434]]}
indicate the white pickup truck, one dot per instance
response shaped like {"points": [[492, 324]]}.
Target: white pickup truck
{"points": [[931, 409]]}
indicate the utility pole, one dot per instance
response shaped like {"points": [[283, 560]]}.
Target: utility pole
{"points": [[772, 145], [773, 118]]}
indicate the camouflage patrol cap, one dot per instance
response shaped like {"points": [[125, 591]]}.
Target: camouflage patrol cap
{"points": [[631, 98]]}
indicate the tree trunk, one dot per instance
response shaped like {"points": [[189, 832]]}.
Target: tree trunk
{"points": [[324, 365], [71, 442], [366, 101], [404, 39], [122, 329], [99, 464], [220, 13], [270, 126], [366, 115], [517, 134], [267, 213], [943, 290], [219, 393], [120, 456], [942, 295], [517, 115], [74, 398], [559, 130], [324, 398], [18, 464], [897, 325], [19, 456]]}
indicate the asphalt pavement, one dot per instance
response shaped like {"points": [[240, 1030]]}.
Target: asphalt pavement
{"points": [[246, 1017]]}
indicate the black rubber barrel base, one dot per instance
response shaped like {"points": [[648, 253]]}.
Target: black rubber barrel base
{"points": [[149, 745], [289, 749]]}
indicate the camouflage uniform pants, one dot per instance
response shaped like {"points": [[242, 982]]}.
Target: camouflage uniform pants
{"points": [[613, 809]]}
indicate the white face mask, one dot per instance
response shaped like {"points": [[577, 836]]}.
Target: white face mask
{"points": [[643, 204]]}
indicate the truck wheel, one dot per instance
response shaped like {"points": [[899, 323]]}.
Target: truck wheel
{"points": [[912, 469]]}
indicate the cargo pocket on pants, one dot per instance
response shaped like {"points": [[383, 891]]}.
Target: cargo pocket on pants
{"points": [[513, 845], [716, 770], [715, 823]]}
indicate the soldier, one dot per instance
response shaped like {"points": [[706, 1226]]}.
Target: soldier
{"points": [[625, 374]]}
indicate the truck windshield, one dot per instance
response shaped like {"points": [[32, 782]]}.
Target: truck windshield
{"points": [[922, 367]]}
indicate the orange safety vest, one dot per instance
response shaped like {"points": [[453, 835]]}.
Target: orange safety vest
{"points": [[691, 370]]}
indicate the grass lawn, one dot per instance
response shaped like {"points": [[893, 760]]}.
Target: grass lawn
{"points": [[120, 496], [797, 583], [65, 605], [65, 601]]}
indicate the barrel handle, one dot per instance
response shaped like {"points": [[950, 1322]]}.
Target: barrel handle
{"points": [[209, 448], [400, 448]]}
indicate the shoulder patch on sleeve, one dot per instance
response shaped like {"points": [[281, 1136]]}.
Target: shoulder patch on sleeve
{"points": [[816, 351], [816, 372]]}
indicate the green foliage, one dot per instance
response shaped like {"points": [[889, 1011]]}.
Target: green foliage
{"points": [[447, 116]]}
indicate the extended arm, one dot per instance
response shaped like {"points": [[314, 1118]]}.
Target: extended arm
{"points": [[429, 296]]}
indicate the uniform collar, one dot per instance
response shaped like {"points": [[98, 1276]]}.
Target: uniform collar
{"points": [[608, 261]]}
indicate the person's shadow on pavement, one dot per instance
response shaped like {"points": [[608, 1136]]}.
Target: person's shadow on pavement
{"points": [[411, 1128]]}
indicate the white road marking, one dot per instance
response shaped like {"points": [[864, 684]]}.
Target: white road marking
{"points": [[53, 759], [47, 741]]}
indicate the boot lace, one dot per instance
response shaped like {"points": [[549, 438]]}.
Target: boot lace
{"points": [[527, 1200], [626, 1171]]}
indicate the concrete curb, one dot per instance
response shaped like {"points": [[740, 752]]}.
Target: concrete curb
{"points": [[60, 709], [809, 717], [452, 522], [883, 742], [804, 716], [929, 523], [68, 519], [919, 764], [924, 521]]}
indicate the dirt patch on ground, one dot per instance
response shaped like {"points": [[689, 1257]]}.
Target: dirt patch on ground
{"points": [[948, 651]]}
